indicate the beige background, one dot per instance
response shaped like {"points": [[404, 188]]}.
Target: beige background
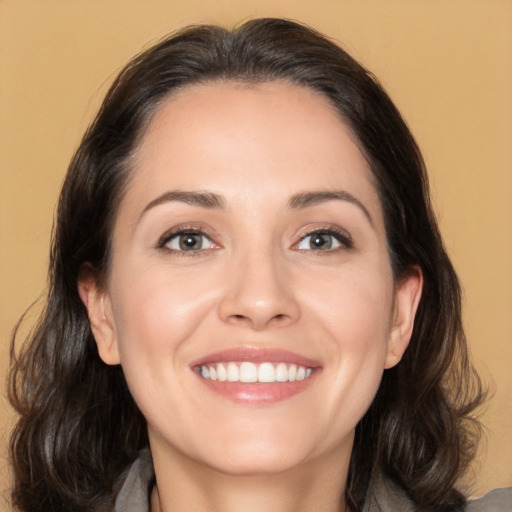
{"points": [[446, 63]]}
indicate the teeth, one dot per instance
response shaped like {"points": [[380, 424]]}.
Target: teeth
{"points": [[248, 372], [292, 372], [222, 374], [233, 373], [282, 372], [266, 373]]}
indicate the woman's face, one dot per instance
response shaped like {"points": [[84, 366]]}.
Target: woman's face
{"points": [[250, 300]]}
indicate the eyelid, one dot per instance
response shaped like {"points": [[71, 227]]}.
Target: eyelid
{"points": [[342, 235], [183, 229]]}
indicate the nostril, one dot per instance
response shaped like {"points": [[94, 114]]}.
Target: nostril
{"points": [[246, 311]]}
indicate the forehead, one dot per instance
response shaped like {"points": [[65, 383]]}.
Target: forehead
{"points": [[250, 140]]}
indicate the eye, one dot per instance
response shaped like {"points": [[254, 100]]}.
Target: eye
{"points": [[324, 240], [186, 241]]}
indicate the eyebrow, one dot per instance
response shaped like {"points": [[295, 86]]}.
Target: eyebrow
{"points": [[307, 199], [207, 200], [210, 200]]}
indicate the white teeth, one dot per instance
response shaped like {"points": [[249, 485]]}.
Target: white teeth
{"points": [[248, 372], [282, 372], [266, 373], [233, 373], [222, 374], [292, 373], [301, 373]]}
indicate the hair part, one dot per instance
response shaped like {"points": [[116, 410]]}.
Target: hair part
{"points": [[419, 431]]}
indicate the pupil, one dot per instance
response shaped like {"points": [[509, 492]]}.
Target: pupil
{"points": [[190, 241], [321, 241]]}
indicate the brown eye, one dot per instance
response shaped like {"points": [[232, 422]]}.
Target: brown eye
{"points": [[321, 241], [324, 241], [188, 241]]}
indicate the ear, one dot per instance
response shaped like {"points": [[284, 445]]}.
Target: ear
{"points": [[101, 318], [407, 299]]}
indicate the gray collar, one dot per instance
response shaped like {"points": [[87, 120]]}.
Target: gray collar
{"points": [[385, 496], [135, 492]]}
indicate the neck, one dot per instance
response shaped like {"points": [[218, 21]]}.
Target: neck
{"points": [[184, 484]]}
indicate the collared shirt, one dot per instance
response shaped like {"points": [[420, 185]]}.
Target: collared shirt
{"points": [[386, 497]]}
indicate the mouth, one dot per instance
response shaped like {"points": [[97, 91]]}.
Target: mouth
{"points": [[249, 372], [256, 376]]}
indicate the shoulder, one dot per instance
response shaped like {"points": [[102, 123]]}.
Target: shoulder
{"points": [[134, 486], [385, 496], [388, 497], [499, 500]]}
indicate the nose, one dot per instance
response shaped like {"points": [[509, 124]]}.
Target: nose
{"points": [[259, 294]]}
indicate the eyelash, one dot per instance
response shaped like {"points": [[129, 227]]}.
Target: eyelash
{"points": [[338, 234], [167, 237]]}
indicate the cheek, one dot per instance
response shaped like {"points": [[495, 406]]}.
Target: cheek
{"points": [[355, 305], [155, 316], [354, 314], [156, 308]]}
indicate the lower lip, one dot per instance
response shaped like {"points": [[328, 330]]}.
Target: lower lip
{"points": [[258, 393]]}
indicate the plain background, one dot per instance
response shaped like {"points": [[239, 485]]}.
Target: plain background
{"points": [[445, 63]]}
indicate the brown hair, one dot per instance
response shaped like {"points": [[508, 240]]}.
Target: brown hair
{"points": [[79, 427]]}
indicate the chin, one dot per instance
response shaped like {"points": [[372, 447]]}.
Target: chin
{"points": [[260, 452], [254, 462]]}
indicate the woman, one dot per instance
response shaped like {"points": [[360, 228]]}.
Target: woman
{"points": [[250, 304]]}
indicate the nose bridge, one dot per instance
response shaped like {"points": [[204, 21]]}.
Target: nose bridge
{"points": [[259, 290]]}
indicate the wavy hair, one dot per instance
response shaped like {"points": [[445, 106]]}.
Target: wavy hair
{"points": [[79, 427]]}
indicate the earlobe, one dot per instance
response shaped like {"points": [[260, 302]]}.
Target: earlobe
{"points": [[407, 299], [101, 318]]}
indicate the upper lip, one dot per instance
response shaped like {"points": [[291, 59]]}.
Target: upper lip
{"points": [[256, 355]]}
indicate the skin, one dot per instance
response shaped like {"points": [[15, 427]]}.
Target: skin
{"points": [[258, 282]]}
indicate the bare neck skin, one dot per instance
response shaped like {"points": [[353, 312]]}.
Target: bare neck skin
{"points": [[185, 485]]}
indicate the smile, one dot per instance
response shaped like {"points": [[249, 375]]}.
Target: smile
{"points": [[256, 376], [248, 372]]}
